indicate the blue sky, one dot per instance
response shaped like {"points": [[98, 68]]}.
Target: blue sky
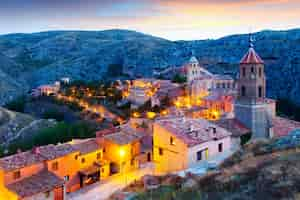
{"points": [[171, 19]]}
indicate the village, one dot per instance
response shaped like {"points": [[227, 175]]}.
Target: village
{"points": [[155, 127]]}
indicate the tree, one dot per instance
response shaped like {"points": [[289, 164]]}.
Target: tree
{"points": [[114, 70], [17, 104], [178, 79]]}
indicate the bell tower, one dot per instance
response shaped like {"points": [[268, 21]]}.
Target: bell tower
{"points": [[251, 106], [252, 81]]}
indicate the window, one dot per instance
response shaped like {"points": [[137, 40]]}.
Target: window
{"points": [[98, 156], [104, 150], [55, 166], [47, 194], [260, 92], [223, 85], [17, 175], [76, 157], [82, 160], [161, 151], [132, 162], [172, 141], [260, 72], [220, 147], [102, 170], [243, 91], [199, 155], [252, 69], [244, 71], [67, 178]]}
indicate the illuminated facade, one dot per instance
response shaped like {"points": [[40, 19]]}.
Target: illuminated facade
{"points": [[180, 142], [48, 172]]}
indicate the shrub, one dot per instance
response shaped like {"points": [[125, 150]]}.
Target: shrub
{"points": [[17, 104], [53, 114], [60, 133], [179, 79]]}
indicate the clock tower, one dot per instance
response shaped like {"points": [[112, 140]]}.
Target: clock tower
{"points": [[251, 106]]}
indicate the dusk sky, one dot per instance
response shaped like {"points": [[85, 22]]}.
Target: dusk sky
{"points": [[171, 19]]}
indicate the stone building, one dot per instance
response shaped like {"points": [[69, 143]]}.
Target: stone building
{"points": [[252, 108]]}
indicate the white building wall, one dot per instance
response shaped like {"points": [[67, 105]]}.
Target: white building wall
{"points": [[212, 147], [41, 196]]}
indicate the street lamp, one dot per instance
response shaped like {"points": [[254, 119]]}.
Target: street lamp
{"points": [[122, 154]]}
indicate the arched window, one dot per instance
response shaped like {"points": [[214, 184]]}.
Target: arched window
{"points": [[260, 91], [243, 91], [244, 71], [260, 72]]}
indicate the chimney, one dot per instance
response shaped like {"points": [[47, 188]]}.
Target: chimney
{"points": [[35, 150], [192, 127]]}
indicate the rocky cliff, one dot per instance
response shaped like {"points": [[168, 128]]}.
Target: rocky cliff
{"points": [[27, 60]]}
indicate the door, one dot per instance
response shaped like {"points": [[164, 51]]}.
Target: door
{"points": [[149, 157], [59, 193]]}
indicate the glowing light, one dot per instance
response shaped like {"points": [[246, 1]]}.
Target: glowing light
{"points": [[122, 153], [151, 115], [136, 114], [164, 112]]}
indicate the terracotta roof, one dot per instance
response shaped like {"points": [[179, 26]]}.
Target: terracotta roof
{"points": [[283, 126], [251, 58], [104, 132], [41, 182], [51, 151], [20, 160], [86, 146], [234, 126], [122, 138], [193, 131]]}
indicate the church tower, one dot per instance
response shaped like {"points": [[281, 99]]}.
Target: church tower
{"points": [[252, 81], [251, 107], [192, 69]]}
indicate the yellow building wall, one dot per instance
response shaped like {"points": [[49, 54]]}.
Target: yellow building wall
{"points": [[174, 157], [67, 166], [25, 172], [5, 194], [112, 154]]}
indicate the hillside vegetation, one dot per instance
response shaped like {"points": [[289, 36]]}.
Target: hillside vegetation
{"points": [[27, 60]]}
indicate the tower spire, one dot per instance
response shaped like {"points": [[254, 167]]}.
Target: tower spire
{"points": [[251, 41]]}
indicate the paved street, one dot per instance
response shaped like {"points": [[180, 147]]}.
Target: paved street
{"points": [[104, 189]]}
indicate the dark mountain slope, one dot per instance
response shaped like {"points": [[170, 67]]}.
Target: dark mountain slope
{"points": [[44, 57]]}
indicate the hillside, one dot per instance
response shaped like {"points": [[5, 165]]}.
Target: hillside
{"points": [[27, 60], [15, 125]]}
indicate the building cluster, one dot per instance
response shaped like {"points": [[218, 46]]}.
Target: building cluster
{"points": [[139, 91], [49, 89], [209, 118], [49, 172]]}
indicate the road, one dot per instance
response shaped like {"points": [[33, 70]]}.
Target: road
{"points": [[104, 189]]}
